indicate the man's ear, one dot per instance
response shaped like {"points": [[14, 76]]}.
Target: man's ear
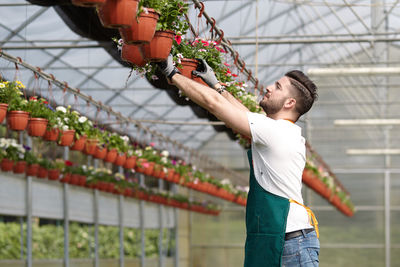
{"points": [[290, 103]]}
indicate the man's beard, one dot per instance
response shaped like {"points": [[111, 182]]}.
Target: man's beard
{"points": [[272, 107]]}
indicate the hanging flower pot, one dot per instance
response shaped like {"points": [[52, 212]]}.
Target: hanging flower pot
{"points": [[19, 167], [159, 47], [82, 180], [51, 135], [118, 13], [142, 164], [311, 180], [88, 3], [6, 165], [37, 126], [130, 162], [111, 155], [100, 152], [3, 111], [53, 174], [120, 160], [133, 54], [17, 120], [42, 172], [150, 169], [90, 146], [74, 179], [142, 29], [170, 175], [32, 169], [65, 178], [79, 144], [66, 138]]}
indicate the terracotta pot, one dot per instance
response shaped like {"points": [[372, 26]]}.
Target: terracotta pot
{"points": [[74, 179], [3, 111], [170, 175], [100, 152], [189, 65], [118, 13], [19, 167], [120, 160], [42, 172], [111, 155], [142, 29], [345, 210], [159, 47], [88, 3], [66, 138], [7, 165], [133, 54], [37, 126], [90, 146], [32, 169], [51, 135], [17, 120], [128, 192], [312, 181], [53, 174], [141, 165], [79, 144], [130, 162], [65, 178], [82, 180]]}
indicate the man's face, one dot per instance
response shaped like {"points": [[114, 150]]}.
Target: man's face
{"points": [[276, 95]]}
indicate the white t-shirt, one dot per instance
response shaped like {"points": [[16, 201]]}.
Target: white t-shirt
{"points": [[278, 151]]}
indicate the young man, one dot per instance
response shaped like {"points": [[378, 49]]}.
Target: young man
{"points": [[279, 227]]}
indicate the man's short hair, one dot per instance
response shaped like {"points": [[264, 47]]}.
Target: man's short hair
{"points": [[306, 92]]}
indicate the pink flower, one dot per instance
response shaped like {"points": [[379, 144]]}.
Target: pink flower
{"points": [[226, 64], [178, 39], [152, 144], [154, 77], [145, 165]]}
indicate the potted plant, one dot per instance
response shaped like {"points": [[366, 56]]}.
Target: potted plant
{"points": [[10, 153], [81, 126], [116, 146], [39, 116], [171, 22], [65, 122], [131, 157], [31, 161], [44, 165], [144, 26], [117, 13], [56, 170], [17, 116], [8, 91], [67, 171]]}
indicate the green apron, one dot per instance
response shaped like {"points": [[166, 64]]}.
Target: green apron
{"points": [[266, 216]]}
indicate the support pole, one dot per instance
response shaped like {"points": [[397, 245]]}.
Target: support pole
{"points": [[142, 232], [66, 216], [96, 222], [29, 215], [121, 226], [161, 234]]}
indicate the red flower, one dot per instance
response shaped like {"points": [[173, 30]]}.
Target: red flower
{"points": [[68, 163], [226, 64], [234, 75], [178, 39], [33, 98], [45, 102]]}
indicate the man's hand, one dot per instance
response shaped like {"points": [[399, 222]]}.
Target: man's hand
{"points": [[206, 73], [167, 67]]}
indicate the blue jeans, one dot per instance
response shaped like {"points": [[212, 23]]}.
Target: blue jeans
{"points": [[301, 251]]}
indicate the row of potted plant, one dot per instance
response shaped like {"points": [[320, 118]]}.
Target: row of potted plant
{"points": [[324, 184], [20, 160]]}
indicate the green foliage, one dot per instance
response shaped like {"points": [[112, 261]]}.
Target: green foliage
{"points": [[29, 157], [10, 91], [46, 163], [39, 108], [10, 149], [172, 16], [114, 140], [48, 241]]}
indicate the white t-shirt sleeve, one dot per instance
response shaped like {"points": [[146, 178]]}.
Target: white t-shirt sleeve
{"points": [[261, 128]]}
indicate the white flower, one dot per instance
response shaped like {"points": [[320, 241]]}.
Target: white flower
{"points": [[62, 109], [65, 128], [165, 153], [66, 119], [2, 85], [75, 112], [164, 160], [180, 55], [125, 138], [225, 181], [82, 119]]}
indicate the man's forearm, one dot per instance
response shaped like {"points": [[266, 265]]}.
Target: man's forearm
{"points": [[228, 96], [202, 95]]}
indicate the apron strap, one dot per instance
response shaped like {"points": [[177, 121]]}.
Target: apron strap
{"points": [[311, 216]]}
